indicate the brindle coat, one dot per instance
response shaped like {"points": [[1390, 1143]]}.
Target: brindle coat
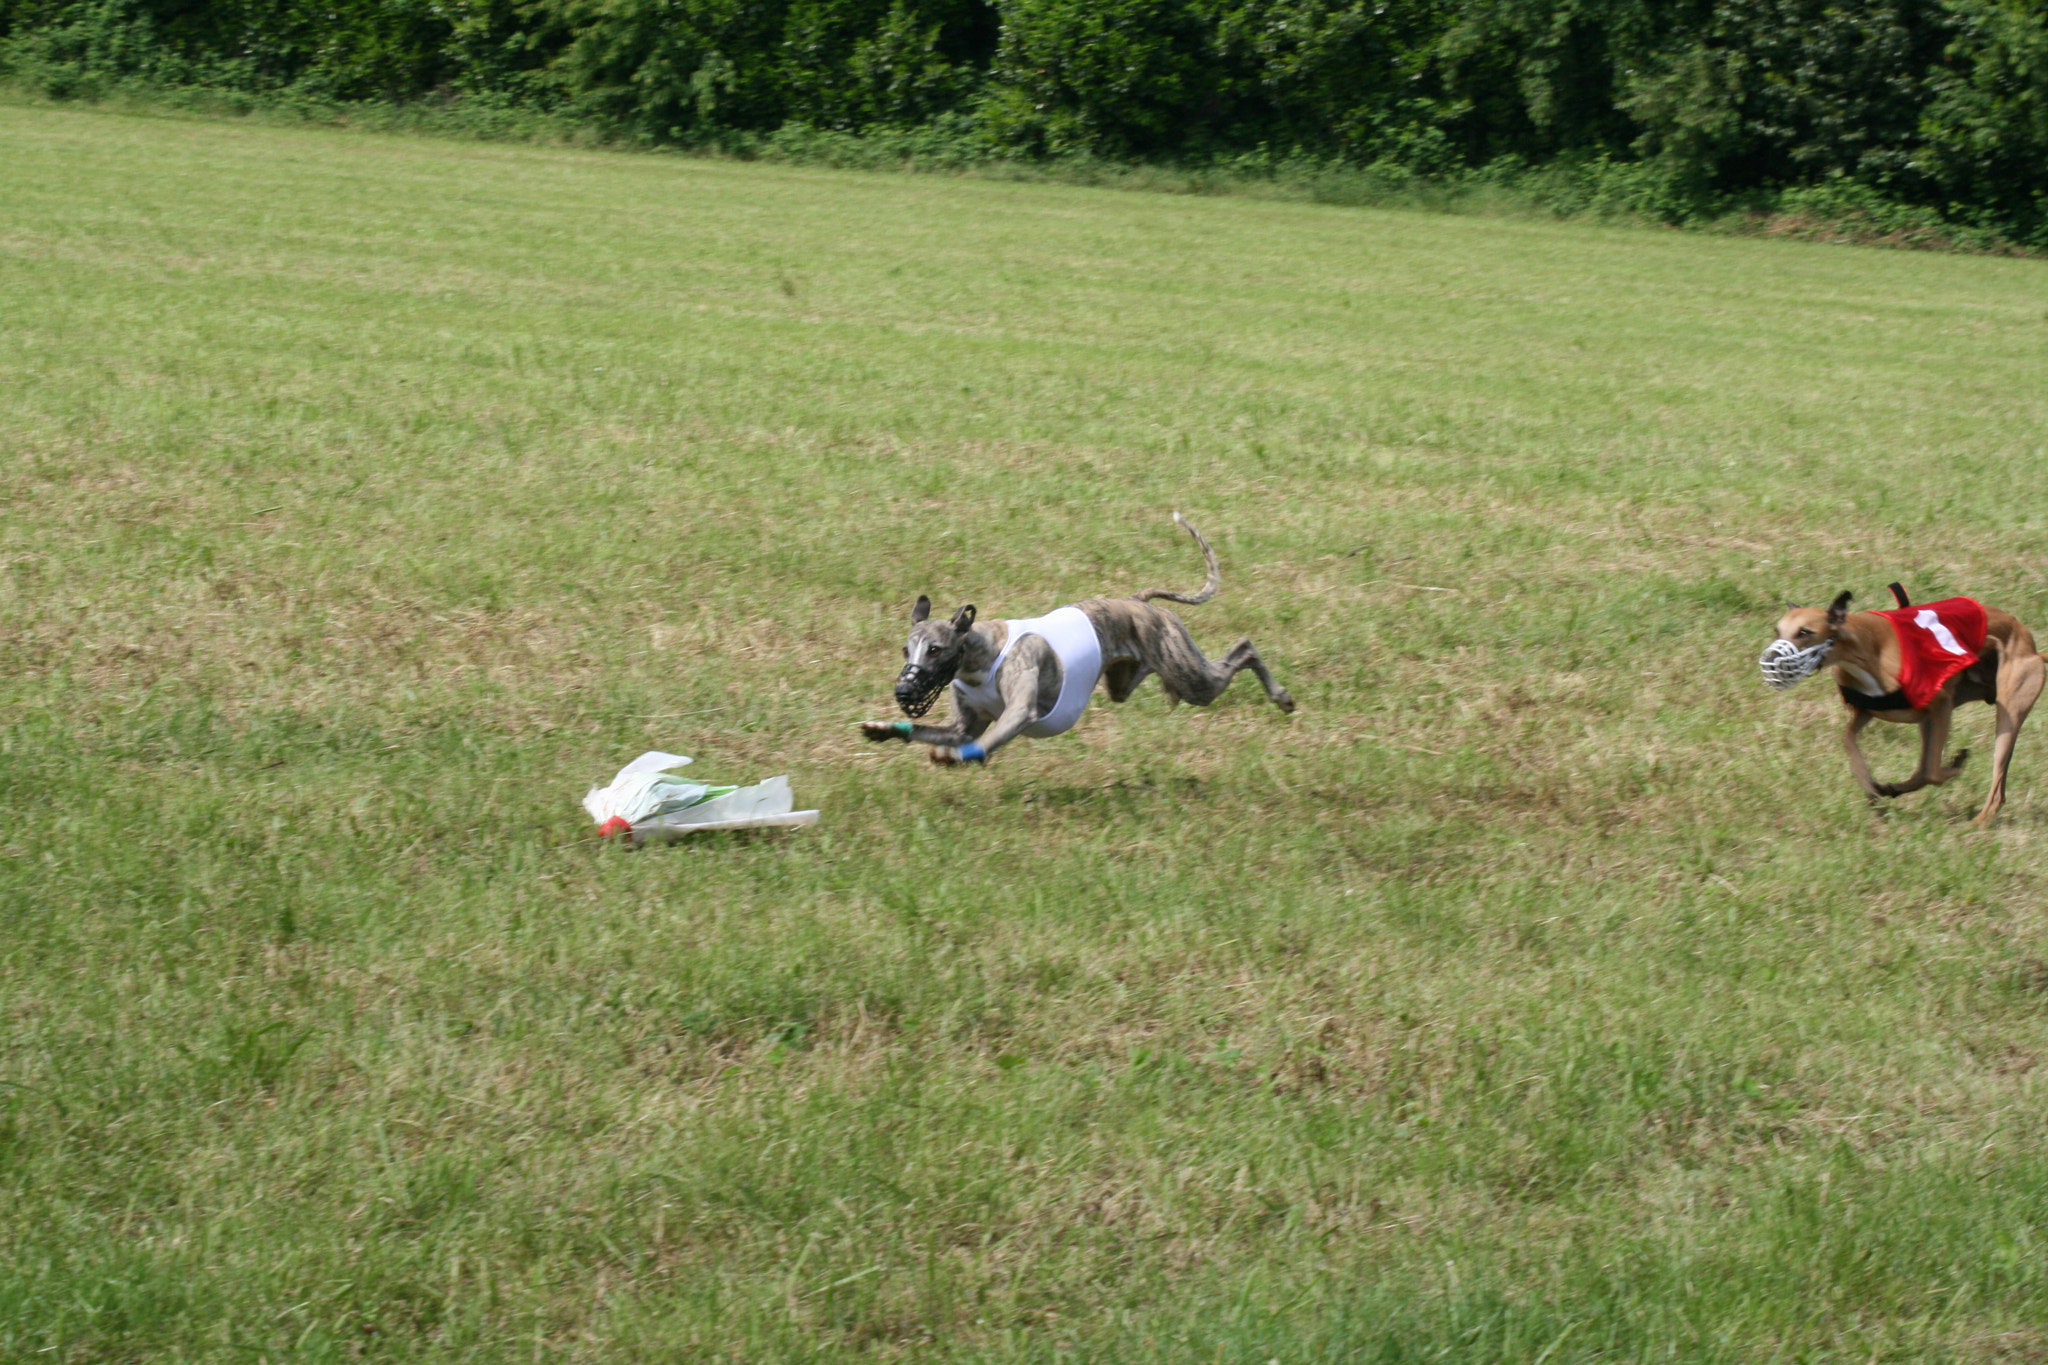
{"points": [[2008, 673], [1138, 640]]}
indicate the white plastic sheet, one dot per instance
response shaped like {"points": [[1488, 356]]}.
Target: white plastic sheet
{"points": [[648, 801]]}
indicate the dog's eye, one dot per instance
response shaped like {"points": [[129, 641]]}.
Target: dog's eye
{"points": [[1802, 634]]}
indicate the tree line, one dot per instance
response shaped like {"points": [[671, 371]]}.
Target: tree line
{"points": [[1709, 103]]}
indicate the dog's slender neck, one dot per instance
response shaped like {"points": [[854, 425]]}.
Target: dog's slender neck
{"points": [[978, 650], [1866, 654]]}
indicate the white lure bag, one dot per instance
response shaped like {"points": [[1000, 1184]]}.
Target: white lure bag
{"points": [[647, 801]]}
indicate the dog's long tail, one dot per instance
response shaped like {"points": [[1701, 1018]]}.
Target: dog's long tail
{"points": [[1209, 589]]}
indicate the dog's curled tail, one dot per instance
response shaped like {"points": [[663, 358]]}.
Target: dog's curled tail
{"points": [[1209, 589]]}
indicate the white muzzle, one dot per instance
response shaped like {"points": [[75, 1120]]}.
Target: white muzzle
{"points": [[1786, 665]]}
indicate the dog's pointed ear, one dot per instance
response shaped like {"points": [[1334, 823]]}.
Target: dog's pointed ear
{"points": [[921, 610], [963, 619], [1791, 606], [1838, 610]]}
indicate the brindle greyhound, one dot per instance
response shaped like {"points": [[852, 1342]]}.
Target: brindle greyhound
{"points": [[1132, 640], [1865, 654]]}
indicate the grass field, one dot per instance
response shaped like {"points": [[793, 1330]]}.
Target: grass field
{"points": [[1541, 991]]}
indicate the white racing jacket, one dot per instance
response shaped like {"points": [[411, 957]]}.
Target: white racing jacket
{"points": [[1079, 650]]}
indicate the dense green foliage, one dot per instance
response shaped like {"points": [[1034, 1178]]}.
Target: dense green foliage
{"points": [[1942, 103]]}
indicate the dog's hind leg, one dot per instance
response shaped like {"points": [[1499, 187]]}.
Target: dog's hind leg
{"points": [[2019, 686], [1246, 655], [1188, 676], [1120, 678]]}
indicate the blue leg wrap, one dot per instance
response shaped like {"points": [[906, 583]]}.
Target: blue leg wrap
{"points": [[971, 752]]}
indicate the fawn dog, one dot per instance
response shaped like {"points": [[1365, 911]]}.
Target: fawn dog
{"points": [[1915, 666], [1033, 677]]}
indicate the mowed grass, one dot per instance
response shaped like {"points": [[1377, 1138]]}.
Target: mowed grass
{"points": [[1542, 990]]}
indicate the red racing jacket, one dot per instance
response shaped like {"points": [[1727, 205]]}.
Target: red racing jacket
{"points": [[1936, 642]]}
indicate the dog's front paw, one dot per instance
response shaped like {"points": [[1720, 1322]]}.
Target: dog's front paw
{"points": [[1285, 701], [877, 731], [966, 753]]}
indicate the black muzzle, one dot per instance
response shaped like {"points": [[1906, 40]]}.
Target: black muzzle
{"points": [[918, 687]]}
